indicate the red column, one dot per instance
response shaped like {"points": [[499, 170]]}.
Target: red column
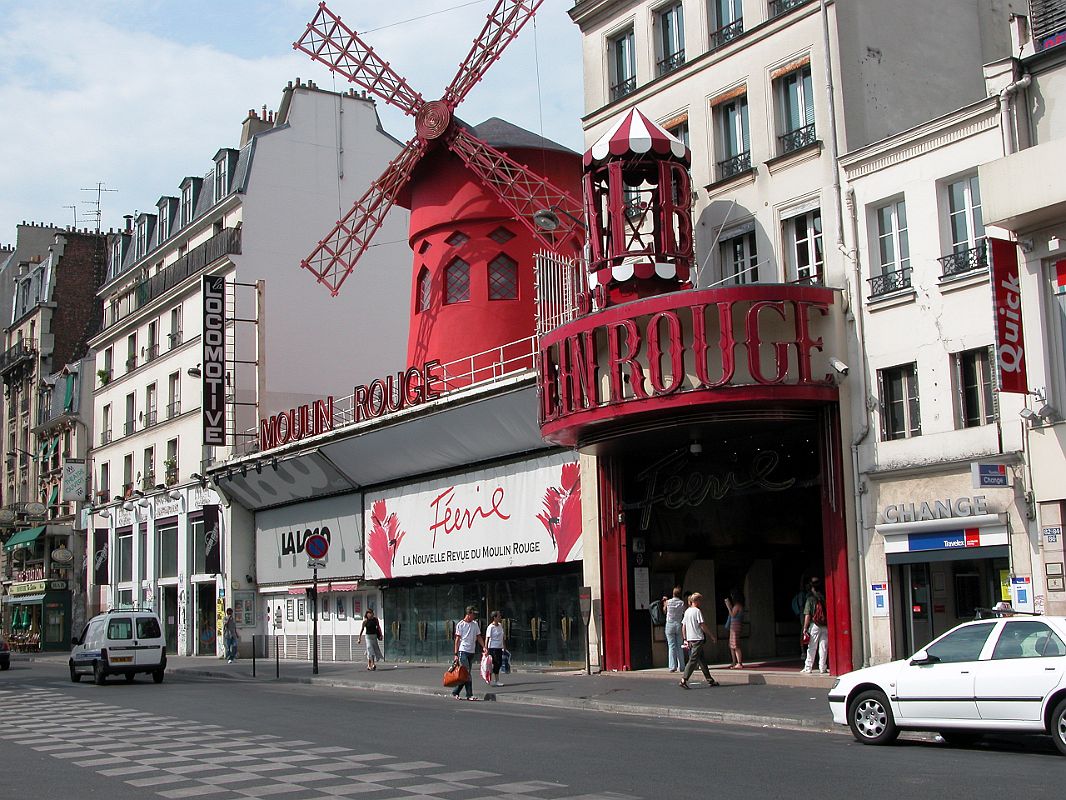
{"points": [[614, 571], [835, 544]]}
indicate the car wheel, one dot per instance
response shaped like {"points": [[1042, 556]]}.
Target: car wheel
{"points": [[157, 676], [130, 677], [1058, 726], [961, 738], [99, 673], [870, 718], [74, 676]]}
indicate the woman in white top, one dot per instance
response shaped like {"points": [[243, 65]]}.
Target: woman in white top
{"points": [[674, 608], [495, 639]]}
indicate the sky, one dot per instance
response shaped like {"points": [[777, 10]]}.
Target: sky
{"points": [[138, 94]]}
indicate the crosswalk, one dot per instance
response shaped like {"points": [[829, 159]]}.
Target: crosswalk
{"points": [[176, 758]]}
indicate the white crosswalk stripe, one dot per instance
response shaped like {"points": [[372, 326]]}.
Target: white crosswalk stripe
{"points": [[236, 764]]}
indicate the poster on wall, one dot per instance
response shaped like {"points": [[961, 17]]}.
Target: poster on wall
{"points": [[101, 576], [212, 543], [282, 532], [515, 515], [878, 599]]}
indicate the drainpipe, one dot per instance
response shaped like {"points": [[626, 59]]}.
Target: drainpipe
{"points": [[864, 430], [831, 109], [1004, 110]]}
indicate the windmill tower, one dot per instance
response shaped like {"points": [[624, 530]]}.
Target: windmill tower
{"points": [[472, 193]]}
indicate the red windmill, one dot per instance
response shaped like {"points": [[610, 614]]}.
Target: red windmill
{"points": [[516, 187]]}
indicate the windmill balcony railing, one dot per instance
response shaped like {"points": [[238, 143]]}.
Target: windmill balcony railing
{"points": [[739, 163], [890, 282], [797, 139], [727, 33], [623, 87], [968, 259], [671, 62], [779, 7]]}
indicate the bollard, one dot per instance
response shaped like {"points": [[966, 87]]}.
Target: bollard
{"points": [[254, 637], [277, 659]]}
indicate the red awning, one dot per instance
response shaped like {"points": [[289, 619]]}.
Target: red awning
{"points": [[636, 134]]}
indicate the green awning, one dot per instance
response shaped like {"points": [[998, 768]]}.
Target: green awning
{"points": [[24, 538], [68, 396], [54, 447], [53, 496]]}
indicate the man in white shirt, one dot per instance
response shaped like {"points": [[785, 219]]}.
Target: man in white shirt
{"points": [[467, 637], [696, 634]]}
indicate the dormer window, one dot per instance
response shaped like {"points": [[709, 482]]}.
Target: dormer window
{"points": [[221, 179], [165, 220], [142, 236], [186, 204]]}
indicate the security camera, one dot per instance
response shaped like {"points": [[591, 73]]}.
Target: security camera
{"points": [[839, 366]]}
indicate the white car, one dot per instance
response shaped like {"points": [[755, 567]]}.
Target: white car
{"points": [[1005, 675], [122, 642]]}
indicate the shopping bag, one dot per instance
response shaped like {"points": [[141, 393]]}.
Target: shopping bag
{"points": [[456, 675], [505, 662], [486, 667]]}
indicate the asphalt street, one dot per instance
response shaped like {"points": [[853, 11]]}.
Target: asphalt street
{"points": [[232, 740]]}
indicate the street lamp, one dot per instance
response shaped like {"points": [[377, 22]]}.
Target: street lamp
{"points": [[13, 450]]}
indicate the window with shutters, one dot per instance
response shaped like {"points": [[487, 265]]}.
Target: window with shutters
{"points": [[796, 109], [899, 402], [503, 278], [892, 261], [623, 62], [803, 247], [457, 282], [671, 23], [975, 400], [740, 259], [733, 137], [727, 22]]}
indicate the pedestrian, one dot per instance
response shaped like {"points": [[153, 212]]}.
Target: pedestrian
{"points": [[372, 630], [675, 612], [467, 638], [734, 606], [230, 636], [798, 601], [696, 634], [495, 636], [814, 625]]}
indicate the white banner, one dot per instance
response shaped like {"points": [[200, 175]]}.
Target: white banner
{"points": [[515, 515], [281, 533], [73, 480]]}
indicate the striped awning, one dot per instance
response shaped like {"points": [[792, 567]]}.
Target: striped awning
{"points": [[635, 134]]}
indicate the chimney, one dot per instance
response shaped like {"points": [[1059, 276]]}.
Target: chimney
{"points": [[253, 125], [129, 223]]}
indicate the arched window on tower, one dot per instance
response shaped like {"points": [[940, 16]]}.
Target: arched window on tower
{"points": [[503, 278], [457, 282], [424, 290]]}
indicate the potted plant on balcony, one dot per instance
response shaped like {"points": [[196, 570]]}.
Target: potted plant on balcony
{"points": [[170, 469], [104, 375]]}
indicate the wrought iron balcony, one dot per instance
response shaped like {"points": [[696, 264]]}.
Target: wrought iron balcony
{"points": [[129, 427], [727, 33], [148, 482], [150, 418], [173, 409], [889, 282], [105, 436], [671, 62], [965, 260], [797, 139], [622, 88], [18, 353], [131, 363], [739, 163], [151, 353], [779, 7], [175, 339]]}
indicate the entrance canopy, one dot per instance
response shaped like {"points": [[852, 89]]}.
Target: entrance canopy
{"points": [[24, 538]]}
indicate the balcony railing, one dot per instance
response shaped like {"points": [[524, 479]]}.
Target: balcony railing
{"points": [[739, 163], [171, 475], [969, 259], [129, 428], [174, 338], [727, 33], [105, 437], [150, 419], [17, 354], [889, 282], [779, 7], [671, 62], [173, 409], [131, 363], [151, 353], [622, 88], [797, 139], [148, 482]]}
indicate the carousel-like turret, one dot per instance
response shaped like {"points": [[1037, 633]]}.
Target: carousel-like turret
{"points": [[638, 203]]}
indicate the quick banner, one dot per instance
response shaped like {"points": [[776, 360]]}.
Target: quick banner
{"points": [[514, 515], [1007, 299]]}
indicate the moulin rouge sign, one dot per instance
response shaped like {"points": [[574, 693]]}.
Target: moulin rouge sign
{"points": [[412, 387], [759, 338]]}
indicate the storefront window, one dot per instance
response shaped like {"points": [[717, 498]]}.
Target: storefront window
{"points": [[168, 551], [125, 560], [341, 610], [124, 598]]}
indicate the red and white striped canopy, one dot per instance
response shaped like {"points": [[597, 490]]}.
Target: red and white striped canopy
{"points": [[636, 134]]}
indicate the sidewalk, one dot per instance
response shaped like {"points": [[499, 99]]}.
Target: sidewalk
{"points": [[761, 697]]}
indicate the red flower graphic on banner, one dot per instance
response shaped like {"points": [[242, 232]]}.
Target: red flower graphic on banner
{"points": [[561, 516], [384, 538]]}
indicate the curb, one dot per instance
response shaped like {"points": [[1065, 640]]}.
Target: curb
{"points": [[579, 703]]}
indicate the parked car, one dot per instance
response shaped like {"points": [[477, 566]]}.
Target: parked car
{"points": [[1006, 675], [5, 655], [119, 643]]}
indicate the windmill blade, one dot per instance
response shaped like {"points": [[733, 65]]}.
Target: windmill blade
{"points": [[503, 24], [333, 260], [331, 42], [524, 192]]}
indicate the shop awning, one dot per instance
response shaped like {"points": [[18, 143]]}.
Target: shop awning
{"points": [[53, 496], [24, 538], [24, 600], [950, 539], [68, 394]]}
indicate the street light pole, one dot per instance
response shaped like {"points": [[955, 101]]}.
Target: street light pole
{"points": [[314, 621]]}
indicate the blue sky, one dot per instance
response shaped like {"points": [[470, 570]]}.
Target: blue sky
{"points": [[140, 93]]}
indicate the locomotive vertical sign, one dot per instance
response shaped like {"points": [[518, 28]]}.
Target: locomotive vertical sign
{"points": [[213, 375]]}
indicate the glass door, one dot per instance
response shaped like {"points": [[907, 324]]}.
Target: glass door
{"points": [[917, 611]]}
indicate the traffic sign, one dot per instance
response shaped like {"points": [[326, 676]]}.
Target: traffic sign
{"points": [[316, 563], [316, 546]]}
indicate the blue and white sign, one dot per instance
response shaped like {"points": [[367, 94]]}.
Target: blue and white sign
{"points": [[879, 600], [1021, 591], [989, 475]]}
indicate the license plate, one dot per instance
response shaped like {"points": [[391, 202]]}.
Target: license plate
{"points": [[121, 659]]}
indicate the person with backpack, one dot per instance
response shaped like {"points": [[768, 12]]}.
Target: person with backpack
{"points": [[814, 626]]}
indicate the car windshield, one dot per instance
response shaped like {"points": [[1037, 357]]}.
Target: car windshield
{"points": [[962, 644]]}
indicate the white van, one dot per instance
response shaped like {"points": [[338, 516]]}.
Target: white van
{"points": [[119, 643]]}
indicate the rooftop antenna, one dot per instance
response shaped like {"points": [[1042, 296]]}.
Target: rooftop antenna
{"points": [[74, 208], [96, 212]]}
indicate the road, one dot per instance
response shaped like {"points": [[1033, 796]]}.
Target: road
{"points": [[231, 740]]}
